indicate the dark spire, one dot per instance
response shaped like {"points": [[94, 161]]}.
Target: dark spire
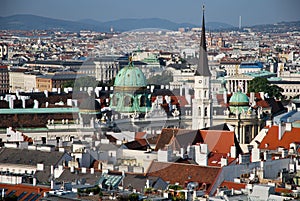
{"points": [[202, 68], [203, 38]]}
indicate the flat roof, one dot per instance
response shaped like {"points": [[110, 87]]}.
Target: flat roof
{"points": [[261, 74], [39, 110]]}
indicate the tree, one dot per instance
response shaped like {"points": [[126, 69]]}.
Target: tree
{"points": [[67, 84], [259, 84], [133, 197]]}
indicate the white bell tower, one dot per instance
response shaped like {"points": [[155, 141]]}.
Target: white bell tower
{"points": [[202, 103]]}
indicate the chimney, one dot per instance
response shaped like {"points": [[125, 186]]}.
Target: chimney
{"points": [[72, 169], [34, 182], [281, 130], [83, 170], [255, 154], [97, 92], [52, 185], [11, 102], [46, 93], [23, 98], [36, 104], [152, 88], [262, 95], [224, 162], [267, 156], [51, 170], [269, 123], [233, 151], [284, 153], [252, 97], [201, 154], [225, 96]]}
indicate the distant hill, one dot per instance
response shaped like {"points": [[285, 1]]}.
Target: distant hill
{"points": [[33, 22], [280, 27]]}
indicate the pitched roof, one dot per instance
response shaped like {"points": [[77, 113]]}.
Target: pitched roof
{"points": [[218, 141], [233, 185], [140, 135], [272, 141], [32, 191], [183, 173], [29, 157], [138, 182], [78, 176], [215, 159], [139, 144], [177, 138]]}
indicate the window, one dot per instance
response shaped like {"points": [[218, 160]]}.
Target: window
{"points": [[142, 101], [205, 112], [128, 101], [199, 111]]}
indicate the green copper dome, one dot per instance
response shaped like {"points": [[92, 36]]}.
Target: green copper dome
{"points": [[130, 76], [239, 98], [239, 102], [130, 91]]}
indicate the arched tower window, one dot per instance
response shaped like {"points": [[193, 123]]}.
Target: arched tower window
{"points": [[114, 100], [128, 101], [199, 111], [205, 112], [143, 101]]}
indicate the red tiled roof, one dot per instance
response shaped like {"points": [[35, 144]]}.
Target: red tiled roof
{"points": [[20, 188], [140, 135], [271, 138], [262, 103], [182, 173], [233, 185], [218, 141], [140, 144], [283, 190], [214, 159]]}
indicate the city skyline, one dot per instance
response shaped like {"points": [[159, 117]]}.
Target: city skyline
{"points": [[256, 12]]}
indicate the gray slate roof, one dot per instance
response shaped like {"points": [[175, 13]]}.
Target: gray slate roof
{"points": [[29, 157]]}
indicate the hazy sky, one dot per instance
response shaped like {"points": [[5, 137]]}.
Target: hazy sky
{"points": [[228, 11]]}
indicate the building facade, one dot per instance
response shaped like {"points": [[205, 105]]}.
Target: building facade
{"points": [[4, 80], [22, 81]]}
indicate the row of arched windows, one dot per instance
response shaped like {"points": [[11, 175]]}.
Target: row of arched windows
{"points": [[205, 111], [128, 101]]}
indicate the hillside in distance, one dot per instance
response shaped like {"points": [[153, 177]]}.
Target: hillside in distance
{"points": [[33, 22]]}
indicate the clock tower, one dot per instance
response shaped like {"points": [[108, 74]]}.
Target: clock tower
{"points": [[202, 103]]}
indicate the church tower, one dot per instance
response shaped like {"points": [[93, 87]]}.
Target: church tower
{"points": [[202, 103]]}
